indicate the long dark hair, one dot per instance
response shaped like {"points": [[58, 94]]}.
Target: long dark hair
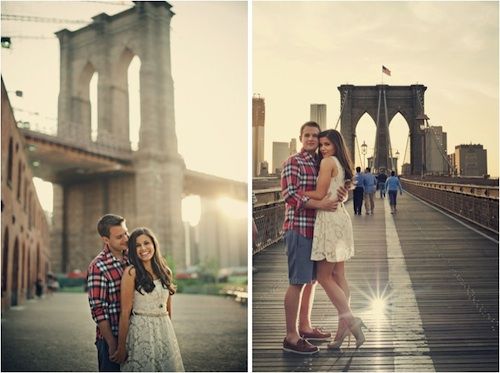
{"points": [[341, 151], [143, 279]]}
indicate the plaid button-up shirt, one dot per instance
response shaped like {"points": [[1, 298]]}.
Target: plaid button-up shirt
{"points": [[104, 277], [298, 176]]}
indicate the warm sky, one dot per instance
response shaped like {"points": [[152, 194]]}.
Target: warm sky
{"points": [[302, 51], [209, 68]]}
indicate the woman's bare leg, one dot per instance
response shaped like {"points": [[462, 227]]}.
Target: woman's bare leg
{"points": [[339, 278], [333, 290]]}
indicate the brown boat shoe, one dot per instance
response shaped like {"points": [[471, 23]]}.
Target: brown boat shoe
{"points": [[302, 347], [317, 334]]}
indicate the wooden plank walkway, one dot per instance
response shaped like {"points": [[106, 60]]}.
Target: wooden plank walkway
{"points": [[441, 282]]}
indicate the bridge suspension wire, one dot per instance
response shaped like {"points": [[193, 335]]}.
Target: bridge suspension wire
{"points": [[359, 151], [21, 18], [342, 105], [32, 37], [406, 147], [375, 155], [119, 3], [388, 135], [434, 136]]}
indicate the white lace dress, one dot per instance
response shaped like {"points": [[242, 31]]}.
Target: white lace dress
{"points": [[333, 238], [151, 342]]}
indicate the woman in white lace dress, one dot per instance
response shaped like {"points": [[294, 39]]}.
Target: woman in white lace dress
{"points": [[333, 242], [146, 337]]}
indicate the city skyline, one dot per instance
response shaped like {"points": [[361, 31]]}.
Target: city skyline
{"points": [[453, 52]]}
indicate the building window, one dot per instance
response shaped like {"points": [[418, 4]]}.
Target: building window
{"points": [[19, 180], [5, 259], [10, 162], [25, 194]]}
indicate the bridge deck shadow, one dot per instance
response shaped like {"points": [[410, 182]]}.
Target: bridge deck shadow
{"points": [[453, 279]]}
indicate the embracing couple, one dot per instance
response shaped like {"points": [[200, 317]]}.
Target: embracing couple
{"points": [[318, 237], [130, 290]]}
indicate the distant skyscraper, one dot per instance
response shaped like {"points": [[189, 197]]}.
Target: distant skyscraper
{"points": [[281, 152], [258, 119], [293, 146], [435, 150], [318, 115], [470, 160]]}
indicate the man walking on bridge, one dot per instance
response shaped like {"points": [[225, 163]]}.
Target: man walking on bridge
{"points": [[298, 176], [370, 184]]}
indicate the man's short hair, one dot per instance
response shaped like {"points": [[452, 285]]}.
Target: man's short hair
{"points": [[368, 169], [309, 124], [106, 222], [358, 169]]}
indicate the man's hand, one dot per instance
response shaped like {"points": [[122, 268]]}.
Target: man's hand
{"points": [[342, 193], [119, 356], [328, 204], [111, 347]]}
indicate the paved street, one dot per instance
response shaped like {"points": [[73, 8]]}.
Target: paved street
{"points": [[57, 334]]}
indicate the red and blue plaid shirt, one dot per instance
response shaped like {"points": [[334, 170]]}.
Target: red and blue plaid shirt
{"points": [[104, 277], [298, 176]]}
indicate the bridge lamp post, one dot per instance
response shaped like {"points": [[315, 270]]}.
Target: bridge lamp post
{"points": [[397, 157], [363, 151], [423, 124]]}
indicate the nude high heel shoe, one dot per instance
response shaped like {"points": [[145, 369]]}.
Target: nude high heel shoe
{"points": [[356, 329], [335, 345]]}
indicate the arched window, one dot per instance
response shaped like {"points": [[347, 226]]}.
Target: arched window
{"points": [[5, 259], [10, 162], [15, 274], [93, 97], [19, 180], [134, 100]]}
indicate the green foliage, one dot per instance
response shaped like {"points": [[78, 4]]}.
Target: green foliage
{"points": [[209, 270], [200, 286], [170, 263]]}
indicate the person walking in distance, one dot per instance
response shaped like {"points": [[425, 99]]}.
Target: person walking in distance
{"points": [[358, 191], [298, 176], [370, 185], [392, 185], [381, 178], [104, 276]]}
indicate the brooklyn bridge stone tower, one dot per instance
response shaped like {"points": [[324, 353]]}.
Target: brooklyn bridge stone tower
{"points": [[145, 185]]}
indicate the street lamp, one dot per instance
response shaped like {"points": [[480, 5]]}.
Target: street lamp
{"points": [[397, 157], [363, 151]]}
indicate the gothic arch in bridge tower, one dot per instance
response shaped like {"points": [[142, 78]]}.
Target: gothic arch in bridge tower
{"points": [[146, 188], [106, 47], [382, 103]]}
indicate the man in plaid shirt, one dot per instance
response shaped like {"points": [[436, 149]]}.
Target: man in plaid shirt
{"points": [[298, 176], [103, 283]]}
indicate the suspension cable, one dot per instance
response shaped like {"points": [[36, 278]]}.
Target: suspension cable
{"points": [[359, 152], [388, 135], [406, 147], [375, 152], [434, 136], [20, 18], [342, 105]]}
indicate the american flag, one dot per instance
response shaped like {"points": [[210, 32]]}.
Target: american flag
{"points": [[386, 70]]}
